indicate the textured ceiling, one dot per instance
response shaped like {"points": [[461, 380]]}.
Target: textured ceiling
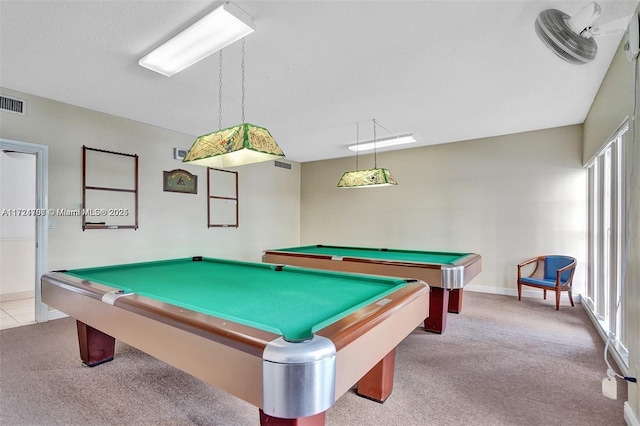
{"points": [[445, 71]]}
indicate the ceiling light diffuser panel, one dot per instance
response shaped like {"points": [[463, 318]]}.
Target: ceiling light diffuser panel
{"points": [[382, 143], [223, 26]]}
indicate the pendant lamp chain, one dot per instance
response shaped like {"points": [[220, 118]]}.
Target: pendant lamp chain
{"points": [[233, 146], [357, 142], [220, 93], [375, 155], [220, 87], [242, 80]]}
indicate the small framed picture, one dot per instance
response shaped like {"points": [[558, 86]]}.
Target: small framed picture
{"points": [[179, 180]]}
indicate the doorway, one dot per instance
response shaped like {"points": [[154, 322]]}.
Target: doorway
{"points": [[24, 237]]}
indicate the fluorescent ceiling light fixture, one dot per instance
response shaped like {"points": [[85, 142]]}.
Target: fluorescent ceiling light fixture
{"points": [[382, 143], [220, 28]]}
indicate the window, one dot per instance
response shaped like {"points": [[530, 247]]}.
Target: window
{"points": [[607, 240]]}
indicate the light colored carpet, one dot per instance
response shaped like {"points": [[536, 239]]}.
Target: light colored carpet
{"points": [[500, 362]]}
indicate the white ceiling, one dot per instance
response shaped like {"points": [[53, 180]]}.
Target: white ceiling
{"points": [[443, 70]]}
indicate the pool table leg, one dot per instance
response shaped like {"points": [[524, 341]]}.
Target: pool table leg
{"points": [[438, 307], [377, 384], [315, 420], [95, 346], [455, 300]]}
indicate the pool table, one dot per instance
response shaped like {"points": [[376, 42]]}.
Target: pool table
{"points": [[288, 340], [446, 273]]}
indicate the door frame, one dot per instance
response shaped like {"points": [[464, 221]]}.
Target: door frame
{"points": [[42, 221]]}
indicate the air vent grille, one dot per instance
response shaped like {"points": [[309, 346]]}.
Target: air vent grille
{"points": [[13, 105], [282, 165]]}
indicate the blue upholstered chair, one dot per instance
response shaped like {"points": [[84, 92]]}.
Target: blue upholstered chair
{"points": [[553, 273]]}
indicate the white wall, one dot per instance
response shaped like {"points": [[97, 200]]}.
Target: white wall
{"points": [[171, 224], [17, 231], [613, 104], [506, 198]]}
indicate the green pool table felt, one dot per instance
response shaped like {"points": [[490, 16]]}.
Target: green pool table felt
{"points": [[293, 302], [379, 254]]}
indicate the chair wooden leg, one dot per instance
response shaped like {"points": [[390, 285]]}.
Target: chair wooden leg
{"points": [[570, 298], [519, 291], [544, 292], [558, 300]]}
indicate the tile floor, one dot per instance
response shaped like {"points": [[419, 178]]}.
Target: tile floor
{"points": [[15, 313]]}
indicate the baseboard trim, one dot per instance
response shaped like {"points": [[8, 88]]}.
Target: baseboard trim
{"points": [[492, 290], [621, 359], [537, 294], [629, 416], [55, 314], [8, 297]]}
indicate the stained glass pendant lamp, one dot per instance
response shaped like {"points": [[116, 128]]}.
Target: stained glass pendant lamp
{"points": [[369, 178], [234, 146]]}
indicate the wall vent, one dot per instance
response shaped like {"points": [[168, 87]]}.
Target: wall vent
{"points": [[13, 105], [282, 165]]}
